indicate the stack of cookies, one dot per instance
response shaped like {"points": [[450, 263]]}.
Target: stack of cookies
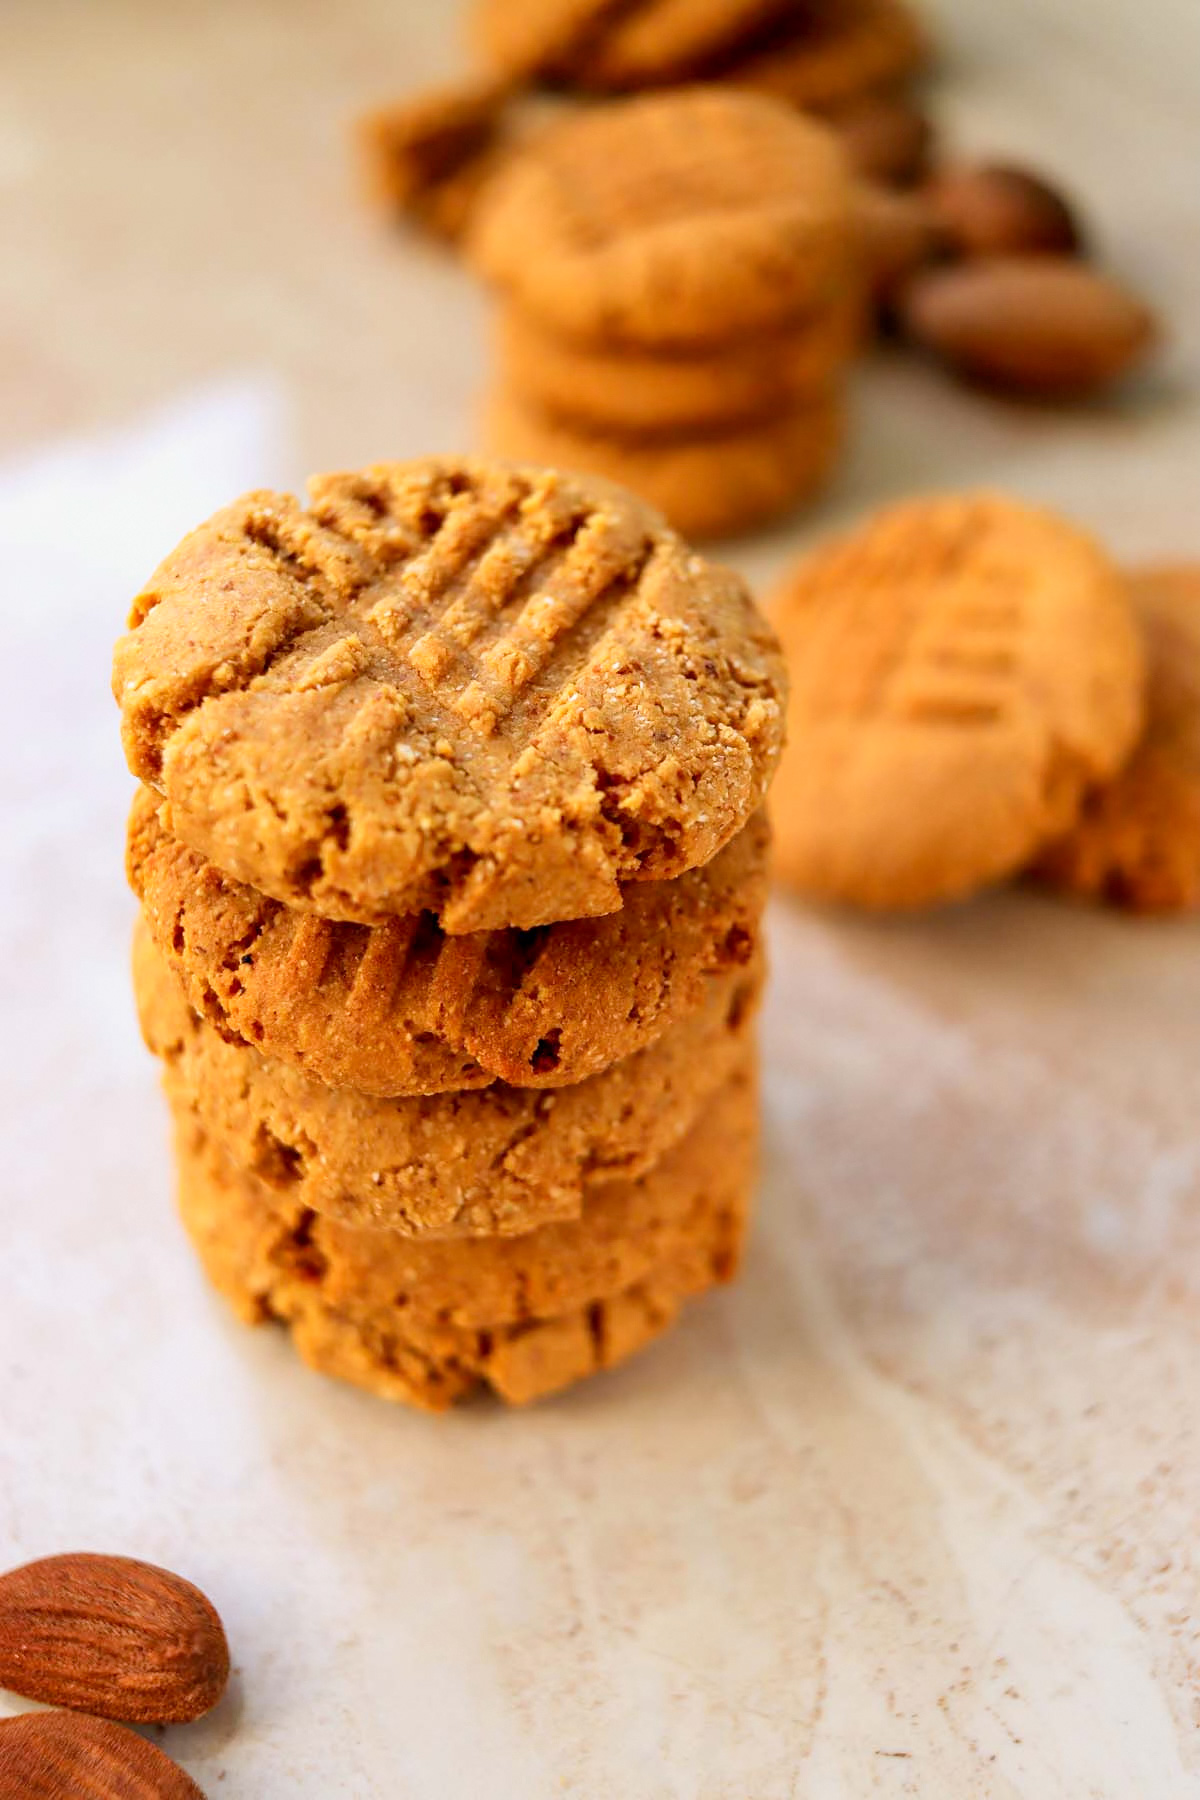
{"points": [[451, 857], [680, 302]]}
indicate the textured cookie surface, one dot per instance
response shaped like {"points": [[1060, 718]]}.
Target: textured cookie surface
{"points": [[494, 694], [963, 668], [681, 218], [835, 52], [1136, 842], [498, 1159], [400, 1008], [710, 484], [650, 394], [429, 1323]]}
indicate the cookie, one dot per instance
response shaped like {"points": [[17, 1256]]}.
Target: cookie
{"points": [[709, 485], [429, 155], [643, 393], [626, 1229], [525, 38], [833, 54], [683, 219], [963, 669], [499, 1159], [491, 694], [655, 42], [429, 1323], [1136, 842], [400, 1008]]}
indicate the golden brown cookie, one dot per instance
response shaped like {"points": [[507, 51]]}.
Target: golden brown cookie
{"points": [[428, 1323], [626, 1228], [654, 42], [429, 155], [493, 694], [678, 219], [835, 52], [402, 1009], [652, 394], [499, 1159], [709, 485], [963, 669], [523, 38], [1136, 842]]}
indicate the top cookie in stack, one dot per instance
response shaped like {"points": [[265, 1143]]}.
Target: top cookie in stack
{"points": [[452, 859], [818, 54], [681, 301], [490, 694]]}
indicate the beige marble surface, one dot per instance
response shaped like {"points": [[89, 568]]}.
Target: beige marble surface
{"points": [[913, 1510]]}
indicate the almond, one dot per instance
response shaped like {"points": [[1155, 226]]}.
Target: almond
{"points": [[995, 209], [108, 1635], [885, 140], [48, 1756], [1039, 324]]}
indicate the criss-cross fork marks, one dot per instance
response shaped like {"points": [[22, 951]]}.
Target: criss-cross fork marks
{"points": [[929, 641], [469, 591], [963, 664], [594, 564], [324, 564], [503, 580]]}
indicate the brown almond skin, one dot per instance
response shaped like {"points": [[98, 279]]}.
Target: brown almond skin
{"points": [[996, 209], [50, 1756], [113, 1636], [1038, 325], [886, 140]]}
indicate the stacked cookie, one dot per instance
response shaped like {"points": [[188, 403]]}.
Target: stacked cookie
{"points": [[680, 302], [451, 858], [820, 54]]}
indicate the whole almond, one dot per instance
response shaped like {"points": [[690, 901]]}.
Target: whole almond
{"points": [[1041, 325], [49, 1756], [109, 1635], [885, 140], [995, 209]]}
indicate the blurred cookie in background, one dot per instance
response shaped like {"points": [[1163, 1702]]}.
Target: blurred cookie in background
{"points": [[427, 156], [1136, 843], [813, 53], [963, 670], [710, 484]]}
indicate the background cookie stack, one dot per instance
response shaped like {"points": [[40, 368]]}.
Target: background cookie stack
{"points": [[983, 266], [681, 302], [451, 858], [849, 61]]}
